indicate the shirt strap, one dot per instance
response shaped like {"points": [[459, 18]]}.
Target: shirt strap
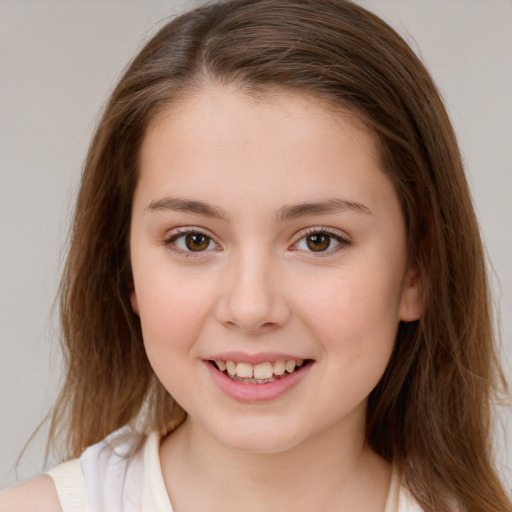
{"points": [[70, 484]]}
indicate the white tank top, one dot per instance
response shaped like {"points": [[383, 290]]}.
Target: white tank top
{"points": [[107, 478]]}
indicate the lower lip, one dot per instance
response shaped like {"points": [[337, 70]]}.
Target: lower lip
{"points": [[256, 392]]}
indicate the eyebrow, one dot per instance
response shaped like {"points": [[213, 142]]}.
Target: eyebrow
{"points": [[329, 206], [180, 205]]}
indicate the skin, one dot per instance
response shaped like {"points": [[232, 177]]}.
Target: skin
{"points": [[257, 286], [36, 494]]}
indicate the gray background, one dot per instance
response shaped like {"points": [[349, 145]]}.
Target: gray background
{"points": [[59, 60]]}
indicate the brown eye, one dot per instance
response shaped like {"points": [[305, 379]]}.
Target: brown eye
{"points": [[197, 242], [190, 242], [318, 242]]}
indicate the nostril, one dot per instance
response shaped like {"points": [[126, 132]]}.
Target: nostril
{"points": [[252, 307], [251, 327]]}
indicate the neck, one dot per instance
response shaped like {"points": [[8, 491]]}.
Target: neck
{"points": [[332, 470]]}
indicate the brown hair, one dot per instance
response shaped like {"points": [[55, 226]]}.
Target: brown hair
{"points": [[430, 413]]}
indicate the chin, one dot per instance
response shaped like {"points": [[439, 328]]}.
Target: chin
{"points": [[259, 437]]}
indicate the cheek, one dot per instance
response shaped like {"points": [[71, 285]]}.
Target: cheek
{"points": [[172, 316], [357, 312], [172, 310]]}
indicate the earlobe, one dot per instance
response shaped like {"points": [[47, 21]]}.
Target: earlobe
{"points": [[134, 301], [412, 303]]}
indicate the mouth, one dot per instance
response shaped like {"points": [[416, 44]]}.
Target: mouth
{"points": [[262, 373]]}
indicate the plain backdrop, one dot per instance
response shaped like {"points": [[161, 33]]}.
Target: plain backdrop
{"points": [[58, 62]]}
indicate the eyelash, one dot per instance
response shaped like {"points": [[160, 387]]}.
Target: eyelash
{"points": [[183, 232], [342, 242]]}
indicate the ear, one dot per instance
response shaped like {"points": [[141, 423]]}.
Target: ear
{"points": [[134, 301], [412, 303]]}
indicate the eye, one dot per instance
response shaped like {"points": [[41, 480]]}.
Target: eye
{"points": [[191, 242], [320, 241]]}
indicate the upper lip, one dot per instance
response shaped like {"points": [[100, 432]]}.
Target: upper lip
{"points": [[261, 357]]}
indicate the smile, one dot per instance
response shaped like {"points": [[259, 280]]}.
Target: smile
{"points": [[262, 373], [260, 381]]}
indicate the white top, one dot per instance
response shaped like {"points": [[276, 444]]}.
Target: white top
{"points": [[107, 478]]}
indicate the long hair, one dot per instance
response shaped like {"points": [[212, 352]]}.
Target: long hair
{"points": [[430, 413]]}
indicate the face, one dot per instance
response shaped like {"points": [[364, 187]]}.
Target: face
{"points": [[269, 264]]}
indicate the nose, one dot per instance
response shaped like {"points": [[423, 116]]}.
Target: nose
{"points": [[253, 298]]}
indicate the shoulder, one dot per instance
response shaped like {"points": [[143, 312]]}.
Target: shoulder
{"points": [[37, 494]]}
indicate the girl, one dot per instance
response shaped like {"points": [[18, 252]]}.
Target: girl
{"points": [[275, 295]]}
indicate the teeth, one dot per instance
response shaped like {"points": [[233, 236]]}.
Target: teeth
{"points": [[263, 371], [279, 367], [231, 368], [290, 366], [260, 372], [245, 370]]}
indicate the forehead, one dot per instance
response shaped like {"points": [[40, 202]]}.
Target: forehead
{"points": [[290, 144], [231, 104]]}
